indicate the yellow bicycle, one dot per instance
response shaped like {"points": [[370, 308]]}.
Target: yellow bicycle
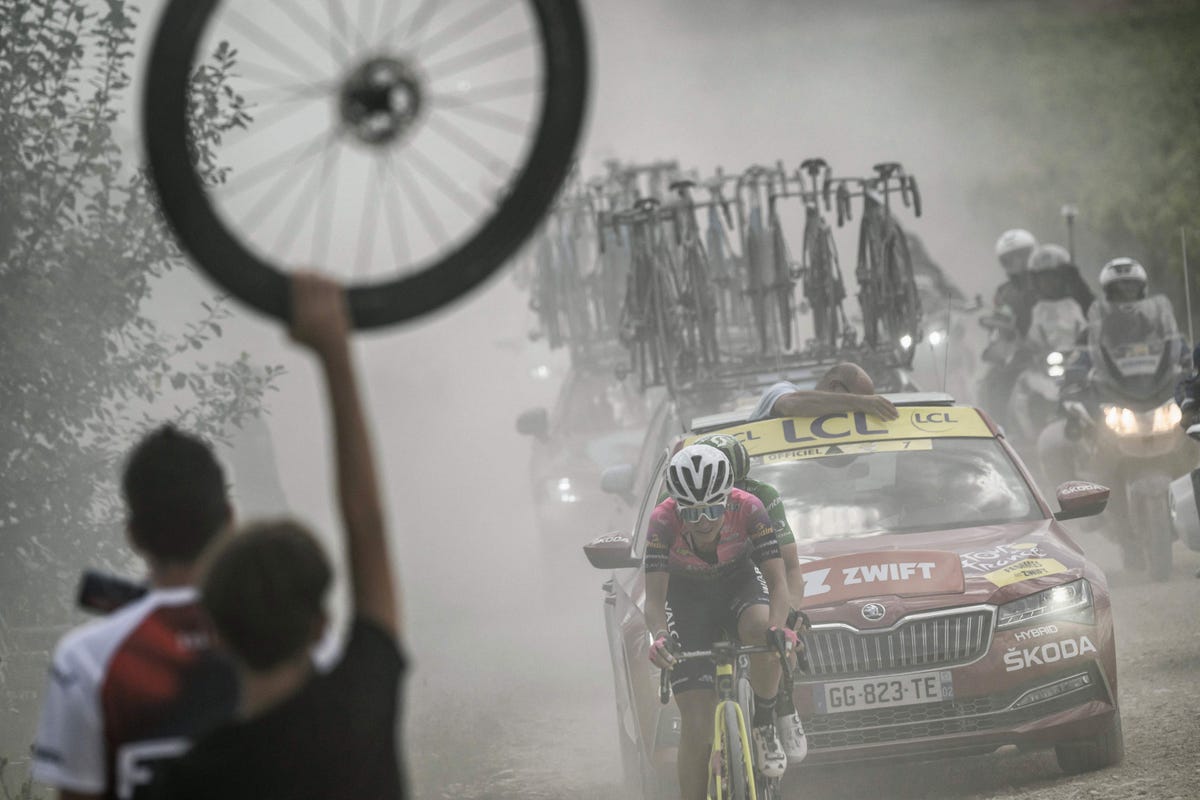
{"points": [[732, 773]]}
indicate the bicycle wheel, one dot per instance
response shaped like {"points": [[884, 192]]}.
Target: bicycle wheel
{"points": [[734, 769], [452, 129]]}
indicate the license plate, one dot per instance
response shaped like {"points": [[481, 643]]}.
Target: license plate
{"points": [[866, 693]]}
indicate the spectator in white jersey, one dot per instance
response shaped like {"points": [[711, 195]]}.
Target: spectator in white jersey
{"points": [[130, 692]]}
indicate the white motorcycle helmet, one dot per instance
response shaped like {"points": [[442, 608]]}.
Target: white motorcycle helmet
{"points": [[1123, 280], [699, 475], [1013, 249], [1048, 257]]}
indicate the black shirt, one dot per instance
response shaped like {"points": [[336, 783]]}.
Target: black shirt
{"points": [[335, 738]]}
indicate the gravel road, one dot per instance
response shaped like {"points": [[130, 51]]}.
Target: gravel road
{"points": [[498, 741]]}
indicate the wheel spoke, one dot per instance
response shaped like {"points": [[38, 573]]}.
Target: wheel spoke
{"points": [[387, 18], [339, 25], [300, 209], [481, 55], [483, 94], [456, 30], [267, 41], [254, 175], [495, 119], [395, 210], [472, 147], [444, 182], [369, 215], [283, 95], [320, 34], [324, 216], [424, 207], [416, 22], [263, 122], [275, 79]]}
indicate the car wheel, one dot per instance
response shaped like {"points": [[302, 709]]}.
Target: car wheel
{"points": [[1086, 755]]}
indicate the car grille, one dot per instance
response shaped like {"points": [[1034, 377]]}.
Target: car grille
{"points": [[925, 642], [886, 725]]}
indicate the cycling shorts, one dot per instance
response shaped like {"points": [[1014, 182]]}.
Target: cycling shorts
{"points": [[702, 612]]}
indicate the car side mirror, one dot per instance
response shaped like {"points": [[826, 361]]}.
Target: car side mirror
{"points": [[534, 422], [614, 551], [618, 480], [1080, 499]]}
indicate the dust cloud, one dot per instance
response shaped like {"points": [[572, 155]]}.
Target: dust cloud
{"points": [[506, 675]]}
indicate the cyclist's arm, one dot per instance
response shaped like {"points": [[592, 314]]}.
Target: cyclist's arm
{"points": [[765, 553], [656, 602], [777, 590], [791, 568], [654, 562], [320, 320]]}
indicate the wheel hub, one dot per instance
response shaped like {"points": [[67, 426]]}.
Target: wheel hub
{"points": [[381, 100]]}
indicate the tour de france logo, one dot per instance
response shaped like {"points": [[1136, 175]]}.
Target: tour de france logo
{"points": [[933, 421]]}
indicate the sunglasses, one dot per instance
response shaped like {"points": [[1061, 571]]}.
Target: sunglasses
{"points": [[697, 513]]}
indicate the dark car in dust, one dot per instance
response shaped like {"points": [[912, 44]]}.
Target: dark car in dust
{"points": [[951, 612], [597, 421]]}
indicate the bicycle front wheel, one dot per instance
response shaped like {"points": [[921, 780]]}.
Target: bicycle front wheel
{"points": [[406, 147], [734, 772]]}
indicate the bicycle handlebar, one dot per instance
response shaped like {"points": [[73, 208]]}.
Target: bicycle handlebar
{"points": [[664, 678]]}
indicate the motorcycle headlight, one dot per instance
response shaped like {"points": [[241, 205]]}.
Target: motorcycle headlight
{"points": [[561, 490], [1071, 602], [1121, 421], [1166, 417], [1126, 422]]}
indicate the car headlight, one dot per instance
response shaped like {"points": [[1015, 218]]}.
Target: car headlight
{"points": [[1126, 422], [1071, 602]]}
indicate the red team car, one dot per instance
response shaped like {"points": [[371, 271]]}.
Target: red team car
{"points": [[951, 612]]}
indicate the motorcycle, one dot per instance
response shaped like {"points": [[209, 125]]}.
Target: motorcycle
{"points": [[1054, 329], [1129, 439]]}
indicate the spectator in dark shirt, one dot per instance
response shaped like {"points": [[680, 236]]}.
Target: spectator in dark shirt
{"points": [[296, 734]]}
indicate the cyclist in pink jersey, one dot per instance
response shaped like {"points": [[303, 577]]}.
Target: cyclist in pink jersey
{"points": [[713, 571]]}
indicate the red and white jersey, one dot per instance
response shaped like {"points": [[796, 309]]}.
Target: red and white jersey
{"points": [[129, 691]]}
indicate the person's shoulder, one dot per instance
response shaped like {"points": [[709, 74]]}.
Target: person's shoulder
{"points": [[763, 491], [745, 499], [90, 645]]}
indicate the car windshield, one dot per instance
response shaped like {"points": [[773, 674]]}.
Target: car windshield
{"points": [[905, 486]]}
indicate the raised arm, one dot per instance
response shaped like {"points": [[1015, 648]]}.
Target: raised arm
{"points": [[320, 321], [814, 403]]}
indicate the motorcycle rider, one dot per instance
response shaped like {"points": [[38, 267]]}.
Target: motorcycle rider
{"points": [[1058, 317], [1125, 313], [1012, 308], [1013, 249], [1056, 324]]}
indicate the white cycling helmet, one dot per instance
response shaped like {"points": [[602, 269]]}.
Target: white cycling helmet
{"points": [[1015, 239], [699, 475], [1122, 269], [1048, 257]]}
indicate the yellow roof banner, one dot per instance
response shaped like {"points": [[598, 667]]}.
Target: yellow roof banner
{"points": [[914, 422]]}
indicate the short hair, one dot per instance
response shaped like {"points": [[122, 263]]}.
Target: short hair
{"points": [[175, 495], [264, 591], [846, 377]]}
